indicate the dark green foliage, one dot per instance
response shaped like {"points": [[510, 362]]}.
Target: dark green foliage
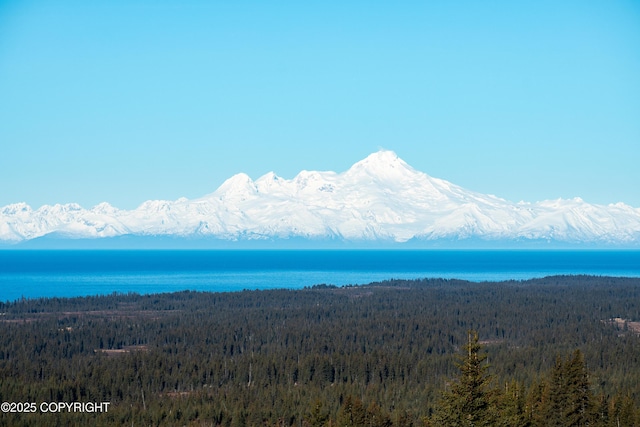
{"points": [[578, 405], [352, 413], [470, 401], [566, 398], [511, 405], [318, 416], [284, 357]]}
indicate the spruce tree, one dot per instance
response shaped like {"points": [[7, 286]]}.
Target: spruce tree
{"points": [[512, 406], [470, 402], [557, 396], [580, 407], [571, 402], [352, 413], [318, 416]]}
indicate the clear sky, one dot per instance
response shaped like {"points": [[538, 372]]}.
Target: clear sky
{"points": [[125, 101]]}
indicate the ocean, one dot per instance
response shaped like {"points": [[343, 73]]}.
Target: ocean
{"points": [[68, 273]]}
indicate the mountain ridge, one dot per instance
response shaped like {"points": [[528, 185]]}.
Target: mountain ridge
{"points": [[379, 199]]}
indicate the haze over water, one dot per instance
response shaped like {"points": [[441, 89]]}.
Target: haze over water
{"points": [[34, 274]]}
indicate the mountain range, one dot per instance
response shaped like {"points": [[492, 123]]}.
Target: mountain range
{"points": [[379, 200]]}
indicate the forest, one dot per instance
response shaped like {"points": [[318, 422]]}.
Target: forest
{"points": [[555, 351]]}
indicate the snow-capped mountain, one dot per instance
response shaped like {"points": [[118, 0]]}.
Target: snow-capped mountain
{"points": [[380, 198]]}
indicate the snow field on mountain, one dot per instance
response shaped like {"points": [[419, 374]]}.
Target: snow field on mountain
{"points": [[380, 198]]}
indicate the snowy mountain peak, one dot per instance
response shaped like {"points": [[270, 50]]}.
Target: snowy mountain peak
{"points": [[381, 156], [381, 160], [16, 208], [379, 198], [383, 165], [104, 208], [238, 185], [269, 182]]}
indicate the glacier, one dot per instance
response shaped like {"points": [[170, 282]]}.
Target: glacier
{"points": [[378, 199]]}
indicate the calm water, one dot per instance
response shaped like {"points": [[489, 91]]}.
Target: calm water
{"points": [[35, 274]]}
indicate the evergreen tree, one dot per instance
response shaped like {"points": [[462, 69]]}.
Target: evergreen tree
{"points": [[602, 410], [318, 416], [579, 405], [376, 417], [470, 401], [352, 413], [623, 412], [537, 401], [512, 406], [554, 406], [571, 402]]}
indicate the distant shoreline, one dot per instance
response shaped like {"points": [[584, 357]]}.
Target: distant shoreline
{"points": [[68, 273]]}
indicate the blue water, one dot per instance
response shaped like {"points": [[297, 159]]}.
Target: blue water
{"points": [[65, 273]]}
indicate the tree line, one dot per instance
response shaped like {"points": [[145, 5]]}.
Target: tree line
{"points": [[379, 354]]}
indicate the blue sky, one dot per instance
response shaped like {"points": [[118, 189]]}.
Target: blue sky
{"points": [[124, 101]]}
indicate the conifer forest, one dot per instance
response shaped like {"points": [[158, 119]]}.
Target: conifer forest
{"points": [[556, 351]]}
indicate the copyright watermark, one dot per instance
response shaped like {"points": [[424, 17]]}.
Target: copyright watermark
{"points": [[54, 407]]}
